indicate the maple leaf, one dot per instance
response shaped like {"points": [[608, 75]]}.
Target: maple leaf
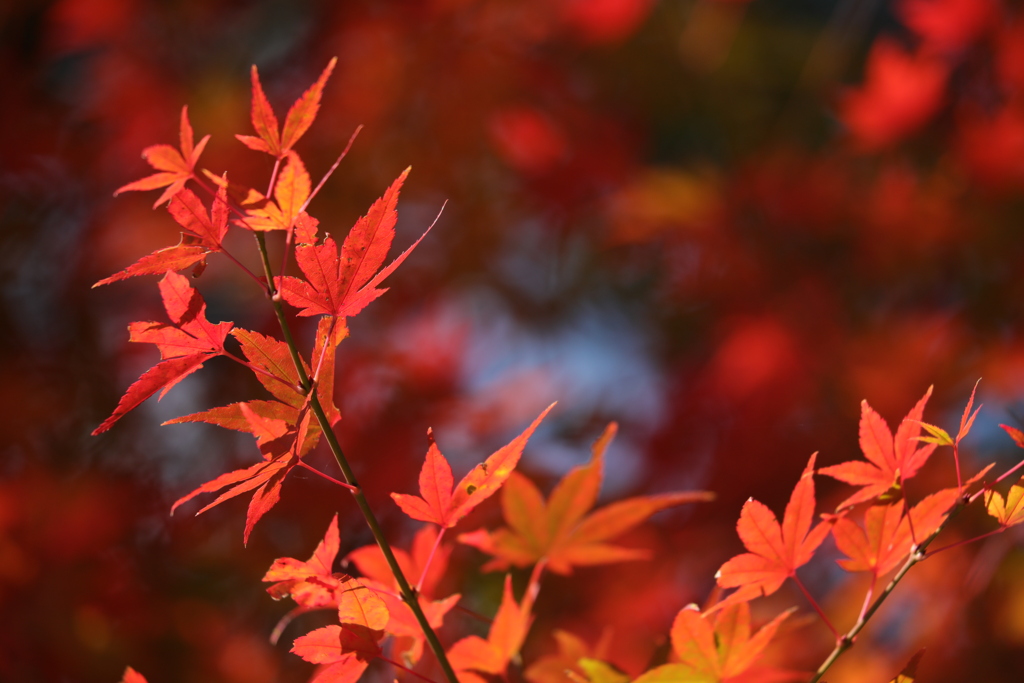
{"points": [[178, 257], [266, 477], [291, 191], [713, 652], [272, 139], [132, 676], [184, 345], [426, 548], [508, 631], [347, 650], [775, 551], [204, 233], [175, 168], [892, 459], [441, 504], [343, 284], [190, 213], [291, 577], [276, 371], [561, 530], [571, 649], [909, 672], [901, 92], [311, 583], [888, 535], [1009, 511], [427, 560]]}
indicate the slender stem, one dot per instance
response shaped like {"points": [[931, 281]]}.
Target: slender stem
{"points": [[867, 596], [956, 461], [1005, 474], [408, 594], [209, 190], [471, 613], [815, 605], [302, 463], [260, 371], [917, 554], [430, 558], [969, 540], [406, 669]]}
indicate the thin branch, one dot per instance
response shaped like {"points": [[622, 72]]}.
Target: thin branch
{"points": [[845, 642], [408, 594]]}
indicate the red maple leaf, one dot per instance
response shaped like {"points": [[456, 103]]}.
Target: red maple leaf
{"points": [[424, 565], [271, 360], [891, 459], [179, 257], [204, 233], [901, 93], [346, 650], [307, 582], [343, 284], [441, 504], [184, 345], [272, 139], [132, 676], [175, 168], [563, 530], [776, 552], [266, 477]]}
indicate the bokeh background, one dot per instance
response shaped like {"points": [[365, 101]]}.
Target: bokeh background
{"points": [[721, 224]]}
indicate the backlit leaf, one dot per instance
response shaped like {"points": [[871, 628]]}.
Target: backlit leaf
{"points": [[776, 551], [891, 459], [444, 507], [561, 530]]}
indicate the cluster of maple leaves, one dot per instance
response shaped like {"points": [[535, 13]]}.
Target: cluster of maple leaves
{"points": [[876, 527]]}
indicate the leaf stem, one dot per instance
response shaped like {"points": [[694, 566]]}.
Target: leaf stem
{"points": [[969, 540], [406, 669], [846, 641], [816, 606], [430, 558], [328, 477], [408, 594]]}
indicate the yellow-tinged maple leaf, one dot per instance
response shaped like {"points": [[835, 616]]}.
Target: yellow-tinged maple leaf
{"points": [[1009, 511], [714, 649], [561, 530]]}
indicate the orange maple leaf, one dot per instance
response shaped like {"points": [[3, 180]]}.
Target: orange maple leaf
{"points": [[175, 167], [775, 551], [444, 505], [892, 459], [272, 139], [561, 530], [888, 535], [508, 631], [714, 649]]}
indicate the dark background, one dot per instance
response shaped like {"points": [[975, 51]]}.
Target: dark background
{"points": [[720, 224]]}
